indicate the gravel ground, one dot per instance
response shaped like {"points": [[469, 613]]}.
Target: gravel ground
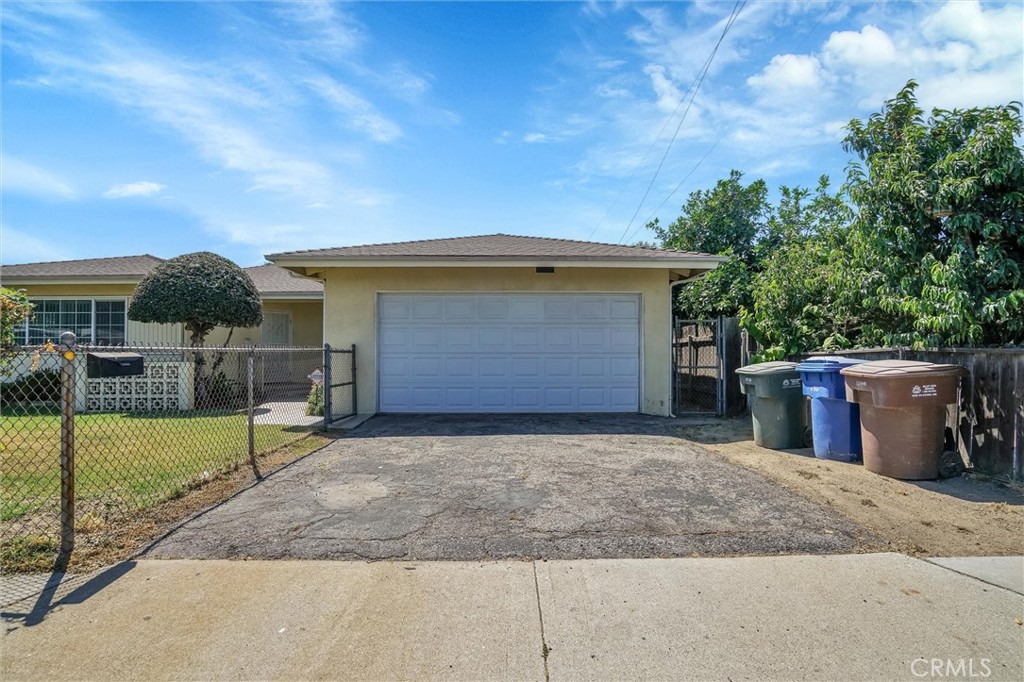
{"points": [[528, 486]]}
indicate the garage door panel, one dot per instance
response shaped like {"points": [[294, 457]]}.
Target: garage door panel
{"points": [[624, 309], [460, 398], [493, 399], [492, 339], [526, 339], [426, 368], [427, 308], [509, 353], [492, 308], [427, 339], [592, 309], [395, 340], [460, 338], [526, 309], [559, 398], [526, 398], [526, 368], [623, 338], [558, 309], [460, 309], [558, 367], [623, 368], [460, 367], [492, 368]]}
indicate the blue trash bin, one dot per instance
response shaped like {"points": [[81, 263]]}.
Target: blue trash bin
{"points": [[835, 423]]}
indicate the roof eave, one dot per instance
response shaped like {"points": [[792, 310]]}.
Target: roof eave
{"points": [[12, 282], [300, 263], [292, 296]]}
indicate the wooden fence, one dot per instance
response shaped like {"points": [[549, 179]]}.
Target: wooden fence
{"points": [[991, 421]]}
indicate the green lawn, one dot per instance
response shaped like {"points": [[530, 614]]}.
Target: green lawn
{"points": [[125, 461]]}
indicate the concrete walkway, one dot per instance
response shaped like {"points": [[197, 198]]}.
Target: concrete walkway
{"points": [[855, 617]]}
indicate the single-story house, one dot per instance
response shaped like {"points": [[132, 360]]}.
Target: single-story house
{"points": [[502, 323], [90, 297]]}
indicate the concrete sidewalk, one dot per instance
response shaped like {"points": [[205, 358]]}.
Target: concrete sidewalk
{"points": [[855, 617]]}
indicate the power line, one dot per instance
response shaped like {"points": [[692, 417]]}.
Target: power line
{"points": [[650, 148], [737, 8], [697, 165]]}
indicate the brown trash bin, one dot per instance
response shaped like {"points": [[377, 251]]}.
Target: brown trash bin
{"points": [[903, 414]]}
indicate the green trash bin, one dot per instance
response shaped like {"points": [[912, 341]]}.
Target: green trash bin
{"points": [[776, 400]]}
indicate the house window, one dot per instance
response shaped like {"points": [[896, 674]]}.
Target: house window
{"points": [[102, 323]]}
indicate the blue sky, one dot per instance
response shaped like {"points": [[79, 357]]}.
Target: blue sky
{"points": [[247, 128]]}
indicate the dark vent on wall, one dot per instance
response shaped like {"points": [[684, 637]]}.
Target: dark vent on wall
{"points": [[545, 268]]}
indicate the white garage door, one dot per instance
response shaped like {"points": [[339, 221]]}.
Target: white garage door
{"points": [[509, 353]]}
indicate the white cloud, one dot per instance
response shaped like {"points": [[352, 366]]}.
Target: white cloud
{"points": [[359, 113], [788, 72], [667, 92], [142, 188], [25, 178], [533, 138], [327, 33], [993, 33], [869, 47]]}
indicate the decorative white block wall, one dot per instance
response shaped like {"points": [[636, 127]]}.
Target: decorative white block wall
{"points": [[163, 386]]}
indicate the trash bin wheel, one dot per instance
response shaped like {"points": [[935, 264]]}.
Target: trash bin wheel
{"points": [[808, 437], [950, 464]]}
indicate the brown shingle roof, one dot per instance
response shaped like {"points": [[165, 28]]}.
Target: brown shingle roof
{"points": [[89, 269], [272, 280], [497, 246]]}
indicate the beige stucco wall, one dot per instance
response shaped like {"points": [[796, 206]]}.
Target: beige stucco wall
{"points": [[307, 325], [350, 299]]}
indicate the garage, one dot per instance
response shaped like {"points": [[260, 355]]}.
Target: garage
{"points": [[485, 352], [503, 323]]}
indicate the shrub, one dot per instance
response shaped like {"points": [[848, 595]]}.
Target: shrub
{"points": [[37, 387], [315, 402]]}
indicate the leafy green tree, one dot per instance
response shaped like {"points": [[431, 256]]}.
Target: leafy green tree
{"points": [[727, 220], [795, 307], [14, 309], [937, 247], [202, 291]]}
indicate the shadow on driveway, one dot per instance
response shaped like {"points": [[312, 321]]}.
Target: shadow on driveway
{"points": [[473, 487]]}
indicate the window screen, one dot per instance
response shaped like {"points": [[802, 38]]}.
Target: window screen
{"points": [[52, 318]]}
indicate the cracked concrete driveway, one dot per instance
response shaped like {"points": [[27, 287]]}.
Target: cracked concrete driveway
{"points": [[490, 487]]}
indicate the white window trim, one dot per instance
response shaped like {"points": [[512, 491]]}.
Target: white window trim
{"points": [[92, 313]]}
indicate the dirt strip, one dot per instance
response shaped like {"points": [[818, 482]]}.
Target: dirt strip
{"points": [[965, 516]]}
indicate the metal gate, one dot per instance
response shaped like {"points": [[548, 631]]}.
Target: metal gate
{"points": [[698, 367]]}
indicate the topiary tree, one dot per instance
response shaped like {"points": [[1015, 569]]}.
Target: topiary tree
{"points": [[202, 291]]}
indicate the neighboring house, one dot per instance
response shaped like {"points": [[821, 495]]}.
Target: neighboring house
{"points": [[500, 323], [90, 297]]}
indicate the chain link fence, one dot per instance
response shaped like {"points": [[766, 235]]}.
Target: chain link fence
{"points": [[697, 367], [146, 425]]}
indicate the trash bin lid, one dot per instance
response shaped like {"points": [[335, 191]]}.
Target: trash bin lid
{"points": [[898, 368], [768, 368], [827, 363]]}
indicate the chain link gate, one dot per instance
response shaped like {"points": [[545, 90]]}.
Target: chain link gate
{"points": [[339, 383], [698, 367]]}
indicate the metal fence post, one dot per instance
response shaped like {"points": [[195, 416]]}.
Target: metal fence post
{"points": [[67, 444], [355, 406], [327, 386], [250, 380]]}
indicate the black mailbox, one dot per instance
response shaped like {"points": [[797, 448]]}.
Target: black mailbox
{"points": [[103, 365]]}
